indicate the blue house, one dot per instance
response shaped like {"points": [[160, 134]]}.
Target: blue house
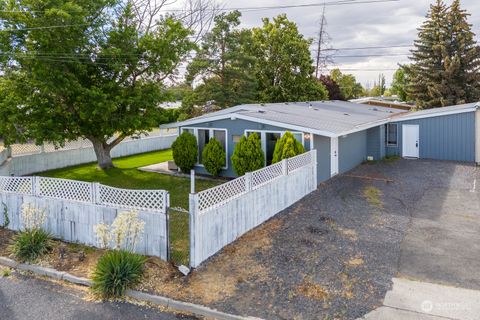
{"points": [[344, 134]]}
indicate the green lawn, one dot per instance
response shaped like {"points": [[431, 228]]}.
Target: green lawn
{"points": [[126, 175]]}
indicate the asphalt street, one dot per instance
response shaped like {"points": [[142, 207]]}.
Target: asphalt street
{"points": [[23, 298]]}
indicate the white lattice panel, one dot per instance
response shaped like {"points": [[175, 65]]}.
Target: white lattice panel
{"points": [[217, 195], [299, 161], [69, 145], [28, 148], [135, 199], [266, 174], [23, 185], [65, 189]]}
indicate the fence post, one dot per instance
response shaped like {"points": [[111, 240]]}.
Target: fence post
{"points": [[96, 193], [248, 181], [36, 186], [285, 167], [314, 164], [192, 181], [193, 209], [167, 223]]}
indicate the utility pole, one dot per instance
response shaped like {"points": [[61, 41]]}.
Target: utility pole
{"points": [[320, 41]]}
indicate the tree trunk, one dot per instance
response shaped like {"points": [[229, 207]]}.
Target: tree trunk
{"points": [[102, 151]]}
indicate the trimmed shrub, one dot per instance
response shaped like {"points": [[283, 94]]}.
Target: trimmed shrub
{"points": [[31, 244], [115, 272], [185, 151], [287, 147], [213, 157], [248, 155]]}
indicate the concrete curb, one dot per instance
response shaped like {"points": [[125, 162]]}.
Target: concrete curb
{"points": [[137, 295]]}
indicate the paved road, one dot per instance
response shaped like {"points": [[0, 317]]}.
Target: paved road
{"points": [[23, 298]]}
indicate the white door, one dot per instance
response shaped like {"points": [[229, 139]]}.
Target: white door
{"points": [[333, 156], [410, 141]]}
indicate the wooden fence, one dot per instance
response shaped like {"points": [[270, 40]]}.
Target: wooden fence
{"points": [[74, 207], [221, 214]]}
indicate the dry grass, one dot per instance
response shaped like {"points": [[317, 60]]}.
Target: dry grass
{"points": [[355, 261], [372, 195], [350, 233], [312, 290]]}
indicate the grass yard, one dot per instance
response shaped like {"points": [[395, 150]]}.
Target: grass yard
{"points": [[126, 175]]}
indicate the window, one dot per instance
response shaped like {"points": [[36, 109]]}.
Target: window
{"points": [[391, 134], [269, 139], [204, 135]]}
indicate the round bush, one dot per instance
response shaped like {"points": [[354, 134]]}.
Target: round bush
{"points": [[213, 157], [287, 147], [116, 271], [248, 155], [30, 245], [185, 151]]}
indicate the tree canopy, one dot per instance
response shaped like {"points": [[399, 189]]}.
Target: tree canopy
{"points": [[349, 87], [446, 59], [90, 69]]}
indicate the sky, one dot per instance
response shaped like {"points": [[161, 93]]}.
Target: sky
{"points": [[362, 25]]}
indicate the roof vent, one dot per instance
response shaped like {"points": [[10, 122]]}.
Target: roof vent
{"points": [[286, 102], [261, 111], [346, 114], [262, 104]]}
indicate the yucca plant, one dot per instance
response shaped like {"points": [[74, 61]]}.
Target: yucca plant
{"points": [[29, 245], [117, 271]]}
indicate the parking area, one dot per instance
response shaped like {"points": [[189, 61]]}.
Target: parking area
{"points": [[333, 254]]}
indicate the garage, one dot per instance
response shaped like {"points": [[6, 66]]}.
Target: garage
{"points": [[449, 133]]}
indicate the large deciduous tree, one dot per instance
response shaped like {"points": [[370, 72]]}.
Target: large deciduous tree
{"points": [[399, 84], [86, 69], [223, 65], [284, 66], [349, 87], [446, 59]]}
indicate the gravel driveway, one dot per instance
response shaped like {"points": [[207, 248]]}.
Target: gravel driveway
{"points": [[333, 254]]}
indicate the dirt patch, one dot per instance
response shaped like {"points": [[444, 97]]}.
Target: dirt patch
{"points": [[312, 290]]}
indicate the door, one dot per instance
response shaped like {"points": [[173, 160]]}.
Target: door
{"points": [[333, 156], [410, 141]]}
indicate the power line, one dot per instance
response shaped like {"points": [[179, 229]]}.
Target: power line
{"points": [[373, 55], [45, 27], [373, 47], [258, 8]]}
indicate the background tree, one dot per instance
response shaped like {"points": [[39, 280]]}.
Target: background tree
{"points": [[213, 157], [284, 67], [287, 147], [185, 151], [248, 155], [334, 92], [446, 59], [103, 83], [399, 84], [223, 65], [349, 87]]}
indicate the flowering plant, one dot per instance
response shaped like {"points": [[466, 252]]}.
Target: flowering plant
{"points": [[33, 218]]}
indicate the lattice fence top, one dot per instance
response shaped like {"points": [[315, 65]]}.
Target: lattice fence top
{"points": [[299, 161], [267, 174], [221, 194], [87, 192], [65, 189], [135, 199], [218, 195], [22, 185]]}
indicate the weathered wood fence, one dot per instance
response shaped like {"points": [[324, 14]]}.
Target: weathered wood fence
{"points": [[221, 214], [74, 207]]}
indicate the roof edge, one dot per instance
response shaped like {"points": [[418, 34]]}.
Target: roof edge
{"points": [[440, 113]]}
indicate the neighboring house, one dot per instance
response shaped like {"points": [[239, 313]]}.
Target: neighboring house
{"points": [[389, 102], [344, 134]]}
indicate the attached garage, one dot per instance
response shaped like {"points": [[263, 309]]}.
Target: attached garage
{"points": [[449, 133]]}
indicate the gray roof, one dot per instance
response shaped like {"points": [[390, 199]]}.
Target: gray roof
{"points": [[329, 117], [438, 111]]}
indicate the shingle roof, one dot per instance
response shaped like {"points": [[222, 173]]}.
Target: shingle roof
{"points": [[334, 117]]}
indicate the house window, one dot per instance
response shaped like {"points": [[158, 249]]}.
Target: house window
{"points": [[391, 134], [269, 139], [204, 135]]}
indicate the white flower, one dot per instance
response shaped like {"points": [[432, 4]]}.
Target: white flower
{"points": [[33, 218]]}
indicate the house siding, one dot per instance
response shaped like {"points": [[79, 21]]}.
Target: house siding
{"points": [[376, 142], [235, 127], [352, 150], [449, 137], [322, 145]]}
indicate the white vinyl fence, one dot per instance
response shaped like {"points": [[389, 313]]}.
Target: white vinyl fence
{"points": [[221, 214], [74, 207], [30, 158]]}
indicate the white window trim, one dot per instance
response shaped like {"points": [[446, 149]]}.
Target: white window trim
{"points": [[263, 138], [386, 134], [195, 133]]}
